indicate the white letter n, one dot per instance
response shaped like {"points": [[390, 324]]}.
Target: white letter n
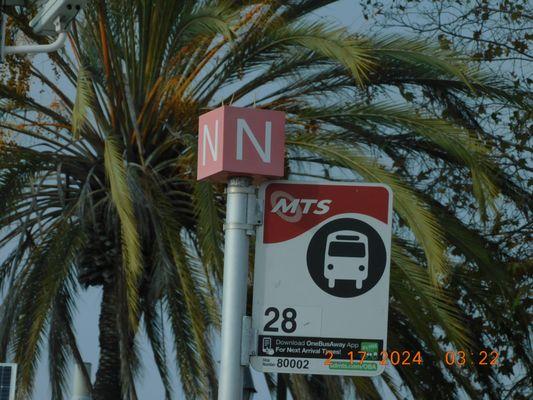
{"points": [[242, 126], [207, 138]]}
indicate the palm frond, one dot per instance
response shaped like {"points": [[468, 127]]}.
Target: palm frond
{"points": [[419, 52], [183, 286], [411, 209], [153, 321], [84, 98], [120, 194], [335, 44], [59, 351], [210, 19], [456, 142], [413, 284], [197, 322], [364, 388], [51, 267], [209, 228]]}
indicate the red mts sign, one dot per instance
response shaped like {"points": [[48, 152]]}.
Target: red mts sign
{"points": [[292, 209], [235, 141]]}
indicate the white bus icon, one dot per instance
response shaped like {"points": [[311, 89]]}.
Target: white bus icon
{"points": [[346, 258]]}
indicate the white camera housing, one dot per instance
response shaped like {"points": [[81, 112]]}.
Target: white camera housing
{"points": [[53, 18], [51, 12]]}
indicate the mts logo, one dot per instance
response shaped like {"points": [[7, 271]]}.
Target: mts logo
{"points": [[292, 209], [235, 141]]}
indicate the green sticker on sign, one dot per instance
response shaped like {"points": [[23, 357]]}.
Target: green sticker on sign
{"points": [[371, 349], [347, 365]]}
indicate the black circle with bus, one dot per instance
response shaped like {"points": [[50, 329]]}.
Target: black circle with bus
{"points": [[346, 257]]}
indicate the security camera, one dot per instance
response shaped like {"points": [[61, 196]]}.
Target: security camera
{"points": [[53, 18], [51, 12]]}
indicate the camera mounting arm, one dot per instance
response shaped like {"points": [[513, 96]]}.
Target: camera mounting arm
{"points": [[53, 18], [39, 48]]}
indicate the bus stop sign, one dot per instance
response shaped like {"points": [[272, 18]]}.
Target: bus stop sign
{"points": [[321, 280]]}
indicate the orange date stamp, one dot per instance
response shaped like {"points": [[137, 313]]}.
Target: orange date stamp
{"points": [[459, 358], [463, 358]]}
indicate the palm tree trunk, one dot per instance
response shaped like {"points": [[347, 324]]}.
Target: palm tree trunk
{"points": [[107, 385], [281, 392]]}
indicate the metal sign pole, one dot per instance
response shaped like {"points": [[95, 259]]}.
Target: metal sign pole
{"points": [[245, 144], [237, 227]]}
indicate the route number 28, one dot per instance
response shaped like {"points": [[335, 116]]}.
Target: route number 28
{"points": [[288, 322]]}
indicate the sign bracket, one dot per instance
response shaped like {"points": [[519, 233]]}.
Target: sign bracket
{"points": [[253, 213], [246, 338]]}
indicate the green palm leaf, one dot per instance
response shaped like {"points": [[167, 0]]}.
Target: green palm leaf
{"points": [[120, 194], [335, 44], [41, 283], [410, 208], [422, 53], [84, 99]]}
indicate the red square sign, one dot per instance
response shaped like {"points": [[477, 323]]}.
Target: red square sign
{"points": [[234, 141]]}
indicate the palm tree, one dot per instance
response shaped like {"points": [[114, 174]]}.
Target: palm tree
{"points": [[98, 188]]}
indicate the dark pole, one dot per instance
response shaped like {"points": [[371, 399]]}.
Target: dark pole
{"points": [[282, 387]]}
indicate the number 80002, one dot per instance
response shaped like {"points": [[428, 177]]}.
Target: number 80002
{"points": [[292, 363]]}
